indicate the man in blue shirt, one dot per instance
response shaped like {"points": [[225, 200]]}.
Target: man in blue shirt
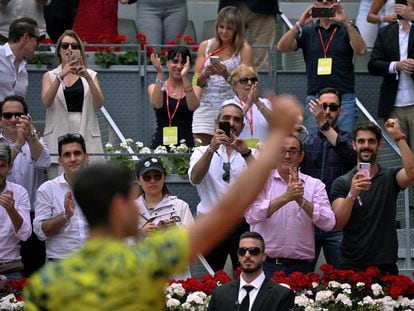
{"points": [[328, 155]]}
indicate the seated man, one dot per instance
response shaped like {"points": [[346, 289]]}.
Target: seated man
{"points": [[58, 219], [14, 218], [105, 265], [253, 291], [286, 211]]}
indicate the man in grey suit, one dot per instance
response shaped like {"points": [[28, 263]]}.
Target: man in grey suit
{"points": [[252, 292]]}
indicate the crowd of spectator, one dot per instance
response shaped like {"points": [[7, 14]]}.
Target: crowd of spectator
{"points": [[310, 194]]}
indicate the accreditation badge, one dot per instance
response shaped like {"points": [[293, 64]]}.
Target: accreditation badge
{"points": [[252, 142], [324, 66], [170, 135]]}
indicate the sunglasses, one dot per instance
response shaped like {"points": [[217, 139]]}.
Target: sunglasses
{"points": [[9, 115], [148, 177], [245, 80], [254, 251], [291, 152], [69, 136], [38, 38], [332, 107], [65, 45], [226, 175]]}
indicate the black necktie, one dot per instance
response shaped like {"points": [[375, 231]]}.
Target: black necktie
{"points": [[246, 300]]}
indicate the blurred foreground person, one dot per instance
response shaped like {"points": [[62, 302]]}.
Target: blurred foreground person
{"points": [[108, 275]]}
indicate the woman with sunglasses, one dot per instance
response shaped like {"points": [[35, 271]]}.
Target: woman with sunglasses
{"points": [[244, 80], [157, 209], [216, 58], [173, 99], [71, 94]]}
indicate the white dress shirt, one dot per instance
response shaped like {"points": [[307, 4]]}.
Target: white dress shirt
{"points": [[12, 83], [27, 172], [9, 238], [50, 203], [213, 187], [256, 283]]}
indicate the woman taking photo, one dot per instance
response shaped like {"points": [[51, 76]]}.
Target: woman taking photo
{"points": [[216, 58], [70, 94], [173, 99]]}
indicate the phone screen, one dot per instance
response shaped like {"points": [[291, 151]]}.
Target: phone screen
{"points": [[225, 126], [215, 59], [323, 12]]}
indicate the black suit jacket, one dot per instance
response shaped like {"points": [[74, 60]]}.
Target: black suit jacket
{"points": [[386, 50], [257, 6], [271, 297]]}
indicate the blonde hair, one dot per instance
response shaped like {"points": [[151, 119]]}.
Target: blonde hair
{"points": [[241, 68], [231, 16], [74, 35]]}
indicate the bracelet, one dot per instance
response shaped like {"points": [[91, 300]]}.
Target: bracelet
{"points": [[303, 203], [59, 78], [298, 26], [247, 154], [159, 81], [402, 136], [348, 25], [188, 90], [65, 217], [350, 196]]}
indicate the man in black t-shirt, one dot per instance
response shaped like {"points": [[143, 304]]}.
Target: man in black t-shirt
{"points": [[364, 203]]}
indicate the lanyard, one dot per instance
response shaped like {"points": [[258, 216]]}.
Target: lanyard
{"points": [[171, 117], [214, 53], [250, 118], [326, 47]]}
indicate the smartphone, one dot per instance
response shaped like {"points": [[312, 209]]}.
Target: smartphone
{"points": [[400, 2], [75, 55], [225, 126], [323, 12], [214, 59], [365, 168]]}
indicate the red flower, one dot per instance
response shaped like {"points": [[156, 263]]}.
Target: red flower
{"points": [[179, 35], [188, 39], [120, 39], [47, 41]]}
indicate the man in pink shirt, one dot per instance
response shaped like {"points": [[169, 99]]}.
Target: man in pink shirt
{"points": [[285, 213]]}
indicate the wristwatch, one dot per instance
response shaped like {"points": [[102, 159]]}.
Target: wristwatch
{"points": [[247, 154], [324, 127]]}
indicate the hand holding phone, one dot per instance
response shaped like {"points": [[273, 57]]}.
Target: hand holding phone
{"points": [[214, 59], [225, 126], [323, 12]]}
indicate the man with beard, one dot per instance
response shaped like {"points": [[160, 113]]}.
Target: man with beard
{"points": [[214, 167], [286, 211], [365, 205], [253, 291], [328, 155]]}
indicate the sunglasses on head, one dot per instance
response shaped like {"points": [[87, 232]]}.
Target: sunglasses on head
{"points": [[254, 251], [332, 107], [148, 177], [226, 175], [245, 80], [9, 115], [65, 45]]}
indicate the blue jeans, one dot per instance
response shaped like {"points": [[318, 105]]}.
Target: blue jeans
{"points": [[331, 242], [269, 268], [161, 20], [347, 119]]}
